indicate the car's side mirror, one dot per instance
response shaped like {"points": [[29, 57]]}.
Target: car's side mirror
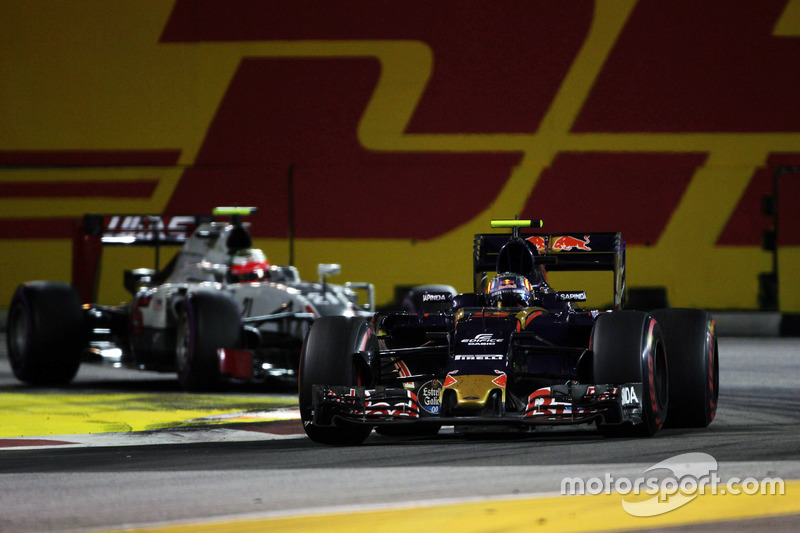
{"points": [[137, 277], [328, 269]]}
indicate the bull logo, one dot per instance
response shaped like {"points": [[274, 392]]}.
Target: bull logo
{"points": [[565, 243]]}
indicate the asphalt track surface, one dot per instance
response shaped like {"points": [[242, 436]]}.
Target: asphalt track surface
{"points": [[126, 450]]}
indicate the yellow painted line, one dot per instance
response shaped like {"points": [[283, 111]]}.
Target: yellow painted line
{"points": [[26, 415], [557, 513]]}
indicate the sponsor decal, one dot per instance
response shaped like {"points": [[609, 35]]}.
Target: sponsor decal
{"points": [[560, 243], [572, 296], [565, 243], [629, 396], [478, 357], [482, 339], [130, 228], [428, 297], [539, 242], [428, 396]]}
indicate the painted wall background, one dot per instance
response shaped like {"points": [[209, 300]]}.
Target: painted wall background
{"points": [[409, 125]]}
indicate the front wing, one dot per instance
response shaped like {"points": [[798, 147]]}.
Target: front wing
{"points": [[555, 405]]}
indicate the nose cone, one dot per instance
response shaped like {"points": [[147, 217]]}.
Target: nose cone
{"points": [[473, 391]]}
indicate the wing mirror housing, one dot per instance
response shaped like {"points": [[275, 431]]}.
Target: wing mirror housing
{"points": [[328, 269]]}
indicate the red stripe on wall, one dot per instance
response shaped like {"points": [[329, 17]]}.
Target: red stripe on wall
{"points": [[109, 189], [87, 158], [36, 228], [61, 227]]}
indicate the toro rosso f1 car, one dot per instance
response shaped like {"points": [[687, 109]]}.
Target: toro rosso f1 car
{"points": [[513, 354], [218, 311]]}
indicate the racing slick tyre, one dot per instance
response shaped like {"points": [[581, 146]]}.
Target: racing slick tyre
{"points": [[328, 357], [210, 320], [46, 333], [693, 366], [628, 347]]}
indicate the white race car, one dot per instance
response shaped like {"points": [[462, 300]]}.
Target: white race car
{"points": [[218, 311]]}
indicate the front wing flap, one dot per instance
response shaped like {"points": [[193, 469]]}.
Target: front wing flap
{"points": [[555, 405], [359, 404], [613, 404]]}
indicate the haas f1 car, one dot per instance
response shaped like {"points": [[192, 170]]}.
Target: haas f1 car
{"points": [[512, 355], [217, 312]]}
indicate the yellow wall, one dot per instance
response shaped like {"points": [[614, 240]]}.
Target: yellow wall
{"points": [[91, 75]]}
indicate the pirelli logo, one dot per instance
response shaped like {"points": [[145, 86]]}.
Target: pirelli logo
{"points": [[478, 357]]}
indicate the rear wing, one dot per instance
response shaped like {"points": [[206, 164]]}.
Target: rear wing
{"points": [[94, 231], [598, 251]]}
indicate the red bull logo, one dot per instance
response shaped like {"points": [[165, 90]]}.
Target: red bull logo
{"points": [[565, 243], [539, 242]]}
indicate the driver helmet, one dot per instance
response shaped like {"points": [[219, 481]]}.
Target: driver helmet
{"points": [[249, 265], [510, 290]]}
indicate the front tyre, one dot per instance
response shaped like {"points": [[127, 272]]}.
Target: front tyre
{"points": [[693, 366], [46, 333], [628, 347], [329, 357], [209, 321]]}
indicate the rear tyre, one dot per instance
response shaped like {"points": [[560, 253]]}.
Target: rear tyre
{"points": [[628, 347], [328, 357], [693, 366], [46, 333], [209, 321]]}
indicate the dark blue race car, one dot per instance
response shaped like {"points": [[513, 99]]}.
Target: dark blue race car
{"points": [[513, 354]]}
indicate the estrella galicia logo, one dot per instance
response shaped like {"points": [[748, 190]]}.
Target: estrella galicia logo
{"points": [[428, 396]]}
